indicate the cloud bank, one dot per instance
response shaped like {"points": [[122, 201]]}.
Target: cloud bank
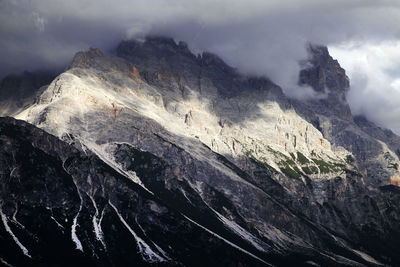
{"points": [[256, 36], [374, 71]]}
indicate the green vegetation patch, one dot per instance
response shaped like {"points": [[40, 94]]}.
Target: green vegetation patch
{"points": [[249, 153], [279, 154], [301, 158], [292, 173], [289, 168], [326, 167], [310, 170]]}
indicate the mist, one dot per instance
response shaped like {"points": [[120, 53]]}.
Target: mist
{"points": [[266, 38]]}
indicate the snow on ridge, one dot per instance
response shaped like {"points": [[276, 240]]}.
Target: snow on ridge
{"points": [[16, 240], [145, 250]]}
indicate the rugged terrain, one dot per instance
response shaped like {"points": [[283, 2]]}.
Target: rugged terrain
{"points": [[161, 156]]}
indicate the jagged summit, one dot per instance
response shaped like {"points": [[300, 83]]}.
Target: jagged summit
{"points": [[162, 45], [154, 49], [163, 56], [325, 75], [329, 80]]}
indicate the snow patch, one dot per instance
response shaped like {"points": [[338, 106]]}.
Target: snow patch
{"points": [[14, 217], [255, 242], [74, 236], [5, 263], [226, 241], [101, 152], [8, 229], [145, 250], [58, 224], [158, 248], [97, 224], [367, 257]]}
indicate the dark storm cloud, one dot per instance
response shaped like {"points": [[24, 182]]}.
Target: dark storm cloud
{"points": [[259, 37], [256, 36]]}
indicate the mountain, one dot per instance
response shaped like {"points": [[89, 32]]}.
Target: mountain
{"points": [[61, 207], [163, 157]]}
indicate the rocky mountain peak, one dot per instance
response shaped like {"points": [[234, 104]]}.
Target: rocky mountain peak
{"points": [[86, 59], [324, 73], [157, 57], [152, 46], [211, 60]]}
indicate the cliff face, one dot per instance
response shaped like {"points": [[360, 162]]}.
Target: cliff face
{"points": [[258, 178]]}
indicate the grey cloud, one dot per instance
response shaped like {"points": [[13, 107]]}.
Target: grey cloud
{"points": [[256, 36]]}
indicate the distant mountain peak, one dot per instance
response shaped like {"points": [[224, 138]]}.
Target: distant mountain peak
{"points": [[325, 75]]}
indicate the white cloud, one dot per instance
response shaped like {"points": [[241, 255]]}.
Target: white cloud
{"points": [[374, 71]]}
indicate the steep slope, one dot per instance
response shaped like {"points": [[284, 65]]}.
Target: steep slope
{"points": [[232, 153], [62, 207]]}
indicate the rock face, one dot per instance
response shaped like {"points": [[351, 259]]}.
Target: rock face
{"points": [[158, 141]]}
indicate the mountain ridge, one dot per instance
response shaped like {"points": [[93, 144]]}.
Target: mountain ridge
{"points": [[265, 171]]}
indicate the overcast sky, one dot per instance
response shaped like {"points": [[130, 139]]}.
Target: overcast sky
{"points": [[263, 37]]}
